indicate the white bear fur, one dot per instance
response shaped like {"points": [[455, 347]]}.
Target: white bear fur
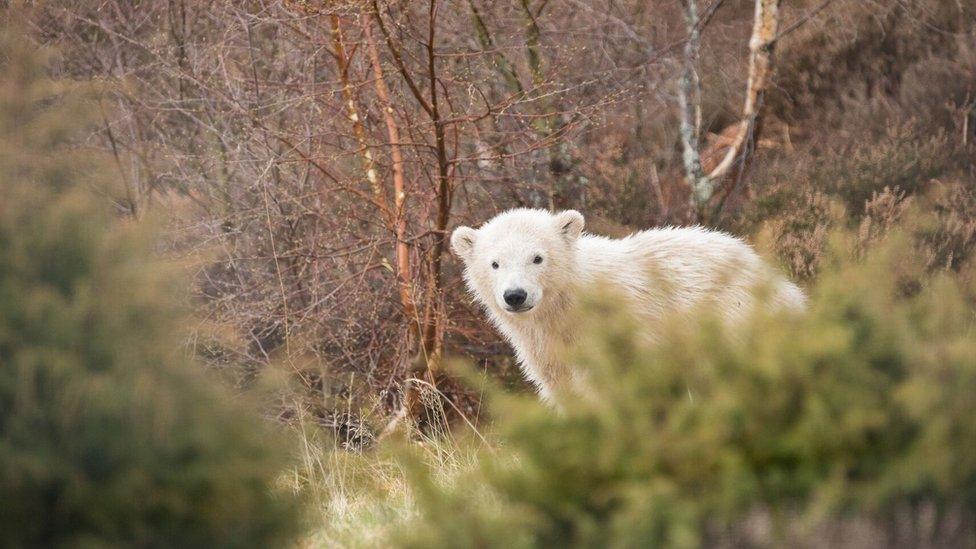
{"points": [[659, 273]]}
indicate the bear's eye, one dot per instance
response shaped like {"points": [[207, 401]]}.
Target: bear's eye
{"points": [[494, 264], [537, 259]]}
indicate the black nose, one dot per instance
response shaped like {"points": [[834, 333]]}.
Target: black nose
{"points": [[515, 298]]}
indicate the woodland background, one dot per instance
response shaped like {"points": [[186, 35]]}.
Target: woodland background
{"points": [[317, 153]]}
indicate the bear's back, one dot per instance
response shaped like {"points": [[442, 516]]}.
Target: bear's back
{"points": [[680, 268]]}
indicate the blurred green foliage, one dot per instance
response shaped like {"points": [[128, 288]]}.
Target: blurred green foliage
{"points": [[860, 410], [109, 435]]}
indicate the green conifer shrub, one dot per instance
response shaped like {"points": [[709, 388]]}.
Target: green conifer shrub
{"points": [[851, 424], [109, 434]]}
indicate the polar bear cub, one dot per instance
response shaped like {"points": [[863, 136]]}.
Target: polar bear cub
{"points": [[528, 268]]}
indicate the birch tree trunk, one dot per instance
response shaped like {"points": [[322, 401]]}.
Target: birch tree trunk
{"points": [[689, 104], [761, 45]]}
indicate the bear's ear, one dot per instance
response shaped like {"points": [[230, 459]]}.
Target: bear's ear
{"points": [[570, 224], [462, 241]]}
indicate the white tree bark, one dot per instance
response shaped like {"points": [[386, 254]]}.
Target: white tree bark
{"points": [[761, 43], [689, 102], [760, 66]]}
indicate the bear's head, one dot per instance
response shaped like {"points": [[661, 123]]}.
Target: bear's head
{"points": [[521, 260]]}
